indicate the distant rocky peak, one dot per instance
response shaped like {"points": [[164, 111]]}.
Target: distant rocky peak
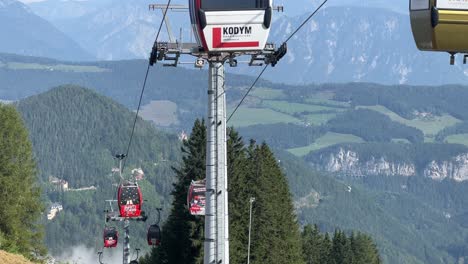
{"points": [[349, 163]]}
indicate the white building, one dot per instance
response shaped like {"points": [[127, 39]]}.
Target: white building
{"points": [[55, 208]]}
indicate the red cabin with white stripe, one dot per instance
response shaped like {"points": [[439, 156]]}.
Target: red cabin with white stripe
{"points": [[111, 237], [130, 200], [231, 25]]}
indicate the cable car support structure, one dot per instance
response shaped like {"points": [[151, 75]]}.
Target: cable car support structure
{"points": [[216, 242]]}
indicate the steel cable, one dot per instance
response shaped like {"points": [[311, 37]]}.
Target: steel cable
{"points": [[266, 66], [143, 88]]}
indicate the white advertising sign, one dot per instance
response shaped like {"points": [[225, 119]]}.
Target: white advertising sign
{"points": [[452, 4], [419, 4]]}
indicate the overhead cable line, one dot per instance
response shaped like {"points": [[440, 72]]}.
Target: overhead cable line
{"points": [[266, 66], [144, 86]]}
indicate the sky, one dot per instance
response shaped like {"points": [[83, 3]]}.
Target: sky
{"points": [[295, 7]]}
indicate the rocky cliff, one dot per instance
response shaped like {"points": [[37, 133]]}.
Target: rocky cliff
{"points": [[349, 163], [455, 168]]}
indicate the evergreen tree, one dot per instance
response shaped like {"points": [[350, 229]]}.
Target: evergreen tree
{"points": [[21, 204], [252, 172], [312, 245], [355, 249], [337, 253], [275, 235], [325, 253], [364, 250], [239, 197], [183, 233]]}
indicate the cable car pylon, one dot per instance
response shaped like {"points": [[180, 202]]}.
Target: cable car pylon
{"points": [[220, 42], [129, 201]]}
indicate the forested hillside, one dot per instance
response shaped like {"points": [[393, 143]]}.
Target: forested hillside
{"points": [[75, 134]]}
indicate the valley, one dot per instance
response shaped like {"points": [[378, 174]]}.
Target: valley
{"points": [[355, 133], [325, 195]]}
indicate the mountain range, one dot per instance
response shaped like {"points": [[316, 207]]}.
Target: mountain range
{"points": [[348, 44], [111, 30], [344, 42], [28, 34], [298, 7]]}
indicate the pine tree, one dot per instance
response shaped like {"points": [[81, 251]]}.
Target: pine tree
{"points": [[325, 253], [21, 204], [238, 198], [340, 249], [275, 235], [183, 233], [312, 245], [355, 249], [364, 250], [252, 172]]}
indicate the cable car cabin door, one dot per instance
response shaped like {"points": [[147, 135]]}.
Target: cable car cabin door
{"points": [[231, 25]]}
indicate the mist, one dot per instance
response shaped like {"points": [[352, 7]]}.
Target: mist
{"points": [[85, 255]]}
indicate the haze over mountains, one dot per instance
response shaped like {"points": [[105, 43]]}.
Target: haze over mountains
{"points": [[25, 33], [345, 42]]}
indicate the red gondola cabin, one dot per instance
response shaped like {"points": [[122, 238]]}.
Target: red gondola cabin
{"points": [[130, 200], [111, 237], [196, 197]]}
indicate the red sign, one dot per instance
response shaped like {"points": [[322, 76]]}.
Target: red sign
{"points": [[218, 44]]}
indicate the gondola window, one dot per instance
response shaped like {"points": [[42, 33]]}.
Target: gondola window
{"points": [[229, 5], [419, 4]]}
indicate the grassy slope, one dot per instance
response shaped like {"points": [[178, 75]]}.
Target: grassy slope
{"points": [[254, 116], [458, 139], [320, 108], [162, 113], [292, 108], [9, 258], [327, 140], [430, 127]]}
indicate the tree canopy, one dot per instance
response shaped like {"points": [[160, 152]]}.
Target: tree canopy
{"points": [[21, 205], [253, 172]]}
